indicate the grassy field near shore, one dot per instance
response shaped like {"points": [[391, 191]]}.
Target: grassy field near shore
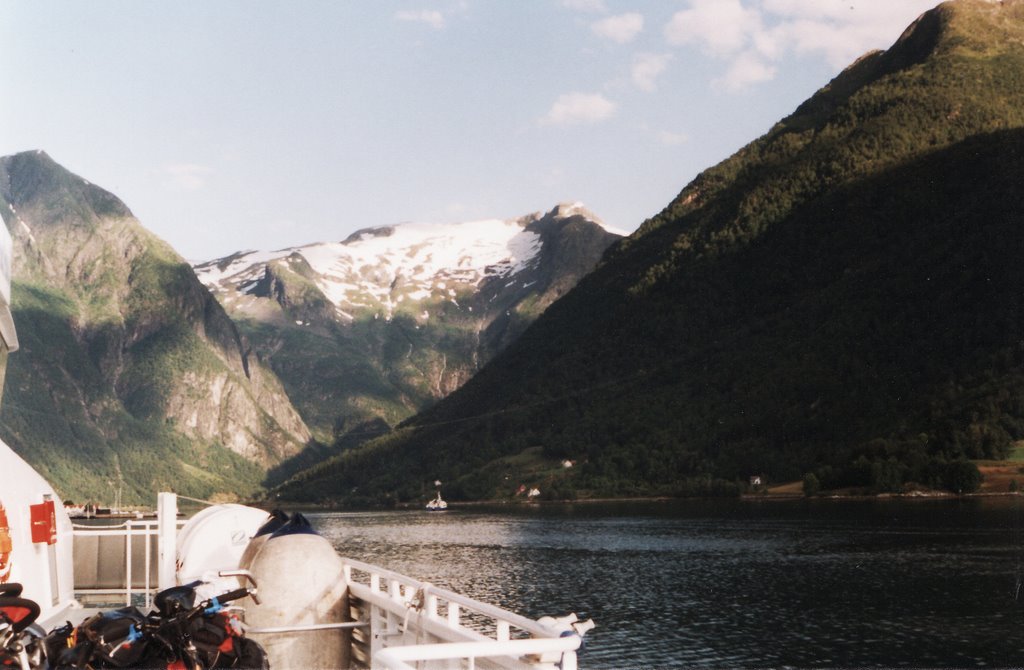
{"points": [[1003, 476], [997, 476]]}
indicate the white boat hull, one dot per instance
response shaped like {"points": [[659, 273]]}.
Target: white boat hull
{"points": [[42, 564]]}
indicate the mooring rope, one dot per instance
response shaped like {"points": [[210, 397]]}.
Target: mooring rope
{"points": [[198, 500]]}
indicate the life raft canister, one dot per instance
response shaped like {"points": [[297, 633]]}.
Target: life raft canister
{"points": [[301, 582], [270, 526]]}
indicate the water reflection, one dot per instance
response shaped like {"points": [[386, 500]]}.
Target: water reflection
{"points": [[889, 583]]}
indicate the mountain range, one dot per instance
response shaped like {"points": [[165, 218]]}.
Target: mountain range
{"points": [[134, 377], [840, 301], [367, 331], [841, 298]]}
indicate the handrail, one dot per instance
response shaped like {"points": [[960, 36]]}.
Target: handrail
{"points": [[86, 531], [396, 658], [128, 529], [498, 614], [402, 609], [307, 628]]}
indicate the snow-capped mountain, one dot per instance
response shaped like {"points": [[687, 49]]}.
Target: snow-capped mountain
{"points": [[400, 268], [392, 318]]}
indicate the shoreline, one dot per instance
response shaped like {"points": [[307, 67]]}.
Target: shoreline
{"points": [[746, 497], [914, 495]]}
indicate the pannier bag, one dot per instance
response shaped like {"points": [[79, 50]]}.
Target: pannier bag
{"points": [[219, 641], [115, 636]]}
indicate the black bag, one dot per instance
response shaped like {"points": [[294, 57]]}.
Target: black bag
{"points": [[249, 655], [176, 599], [58, 645], [218, 638], [114, 637]]}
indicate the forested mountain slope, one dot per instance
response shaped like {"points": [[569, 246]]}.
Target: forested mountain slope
{"points": [[842, 296]]}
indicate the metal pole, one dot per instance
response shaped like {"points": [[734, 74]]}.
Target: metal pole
{"points": [[128, 564], [149, 564], [167, 529]]}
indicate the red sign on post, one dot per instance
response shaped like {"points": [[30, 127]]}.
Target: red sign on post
{"points": [[44, 522]]}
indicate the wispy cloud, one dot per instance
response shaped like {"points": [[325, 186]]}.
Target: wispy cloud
{"points": [[754, 37], [184, 176], [578, 108], [746, 69], [430, 17], [621, 28], [646, 69], [719, 26]]}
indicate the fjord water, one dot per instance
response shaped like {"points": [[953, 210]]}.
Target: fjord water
{"points": [[885, 583]]}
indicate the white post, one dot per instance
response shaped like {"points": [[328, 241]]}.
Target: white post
{"points": [[149, 565], [167, 529], [128, 563], [453, 615]]}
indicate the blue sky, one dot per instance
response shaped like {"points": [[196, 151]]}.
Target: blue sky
{"points": [[258, 124]]}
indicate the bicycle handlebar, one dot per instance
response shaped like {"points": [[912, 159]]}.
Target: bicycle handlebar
{"points": [[233, 595]]}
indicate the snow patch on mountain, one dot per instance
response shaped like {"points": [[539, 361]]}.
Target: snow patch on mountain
{"points": [[565, 210], [383, 267]]}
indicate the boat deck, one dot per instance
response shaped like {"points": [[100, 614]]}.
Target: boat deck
{"points": [[394, 620]]}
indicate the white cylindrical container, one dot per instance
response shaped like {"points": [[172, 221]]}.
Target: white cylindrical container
{"points": [[270, 526], [214, 540], [301, 582]]}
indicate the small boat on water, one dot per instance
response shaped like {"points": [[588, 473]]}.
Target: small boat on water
{"points": [[317, 608], [437, 504]]}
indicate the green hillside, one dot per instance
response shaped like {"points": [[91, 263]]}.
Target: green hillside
{"points": [[130, 377], [842, 297]]}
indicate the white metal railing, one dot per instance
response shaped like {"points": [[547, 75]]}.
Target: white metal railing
{"points": [[398, 658], [132, 530], [412, 620]]}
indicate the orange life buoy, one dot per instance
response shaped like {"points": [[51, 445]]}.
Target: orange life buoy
{"points": [[6, 546]]}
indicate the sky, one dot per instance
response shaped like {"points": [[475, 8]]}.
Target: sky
{"points": [[229, 125]]}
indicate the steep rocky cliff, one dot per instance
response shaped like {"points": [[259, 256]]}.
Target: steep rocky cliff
{"points": [[130, 373]]}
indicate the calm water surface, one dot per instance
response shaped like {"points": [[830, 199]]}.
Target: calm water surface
{"points": [[732, 583]]}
